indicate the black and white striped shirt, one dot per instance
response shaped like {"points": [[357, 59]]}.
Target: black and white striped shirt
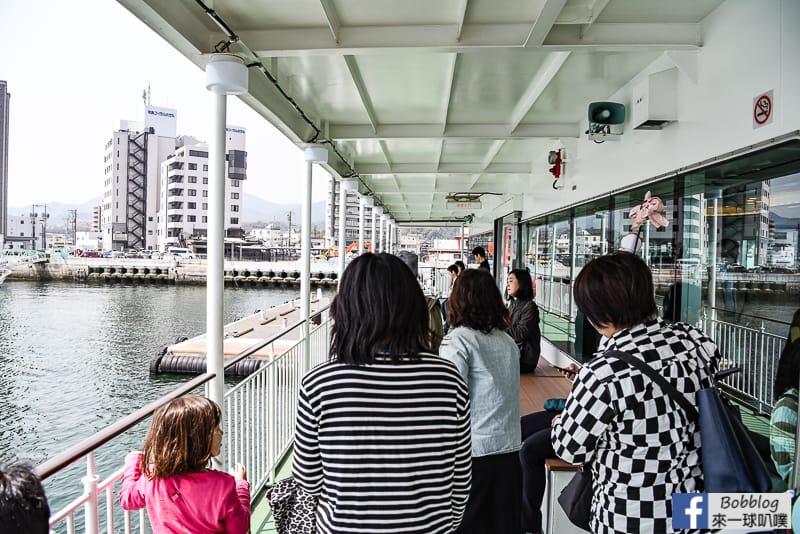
{"points": [[385, 447]]}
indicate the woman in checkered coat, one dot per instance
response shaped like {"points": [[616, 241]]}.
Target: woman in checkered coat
{"points": [[640, 445]]}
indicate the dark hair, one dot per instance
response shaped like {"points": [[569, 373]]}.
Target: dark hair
{"points": [[23, 504], [180, 437], [379, 308], [476, 303], [461, 266], [616, 289], [453, 268], [479, 251], [525, 291]]}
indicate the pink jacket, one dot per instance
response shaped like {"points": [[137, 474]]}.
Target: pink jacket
{"points": [[211, 502]]}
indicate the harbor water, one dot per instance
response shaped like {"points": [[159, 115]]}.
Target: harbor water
{"points": [[74, 358]]}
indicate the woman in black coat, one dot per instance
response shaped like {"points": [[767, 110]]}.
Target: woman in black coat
{"points": [[524, 319]]}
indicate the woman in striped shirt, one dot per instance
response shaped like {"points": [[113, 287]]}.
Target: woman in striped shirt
{"points": [[383, 427]]}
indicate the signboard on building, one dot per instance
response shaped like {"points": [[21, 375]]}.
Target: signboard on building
{"points": [[164, 121]]}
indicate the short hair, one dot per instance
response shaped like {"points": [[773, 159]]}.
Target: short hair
{"points": [[479, 251], [461, 266], [23, 503], [476, 303], [180, 437], [616, 289], [525, 282], [453, 268], [379, 309]]}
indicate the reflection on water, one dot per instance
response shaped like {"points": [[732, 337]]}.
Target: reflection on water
{"points": [[74, 358]]}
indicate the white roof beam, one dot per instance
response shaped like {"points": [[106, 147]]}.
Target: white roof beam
{"points": [[550, 67], [355, 74], [356, 40], [462, 10], [385, 151], [447, 168], [439, 156], [544, 22], [460, 131], [491, 154], [332, 17], [597, 7], [448, 93], [617, 36]]}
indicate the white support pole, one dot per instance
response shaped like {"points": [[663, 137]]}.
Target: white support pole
{"points": [[385, 233], [342, 227], [372, 234], [461, 244], [390, 241], [362, 204], [344, 187], [377, 215], [313, 154], [216, 241], [226, 74]]}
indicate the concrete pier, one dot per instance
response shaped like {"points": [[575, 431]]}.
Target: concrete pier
{"points": [[168, 271]]}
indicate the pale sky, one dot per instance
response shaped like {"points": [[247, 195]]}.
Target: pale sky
{"points": [[75, 69]]}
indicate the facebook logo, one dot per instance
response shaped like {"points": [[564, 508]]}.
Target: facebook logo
{"points": [[689, 510]]}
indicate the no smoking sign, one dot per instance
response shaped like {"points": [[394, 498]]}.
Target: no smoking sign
{"points": [[763, 109]]}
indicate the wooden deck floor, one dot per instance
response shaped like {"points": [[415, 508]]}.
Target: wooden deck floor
{"points": [[545, 383]]}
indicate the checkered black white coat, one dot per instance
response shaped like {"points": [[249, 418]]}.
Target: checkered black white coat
{"points": [[640, 443]]}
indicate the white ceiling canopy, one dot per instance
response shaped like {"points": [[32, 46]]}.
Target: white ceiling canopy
{"points": [[419, 99]]}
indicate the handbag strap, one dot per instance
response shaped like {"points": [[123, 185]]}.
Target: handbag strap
{"points": [[662, 382]]}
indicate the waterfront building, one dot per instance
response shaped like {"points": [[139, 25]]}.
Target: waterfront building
{"points": [[131, 179], [270, 235], [184, 190], [332, 207], [5, 102], [20, 231], [97, 213]]}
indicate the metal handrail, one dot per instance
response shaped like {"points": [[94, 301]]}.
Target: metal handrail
{"points": [[82, 448]]}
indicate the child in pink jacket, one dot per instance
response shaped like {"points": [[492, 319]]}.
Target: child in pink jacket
{"points": [[170, 477]]}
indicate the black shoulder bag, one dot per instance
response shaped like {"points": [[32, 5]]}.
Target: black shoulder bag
{"points": [[731, 463]]}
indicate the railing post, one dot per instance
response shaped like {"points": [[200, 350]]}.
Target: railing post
{"points": [[90, 509], [764, 376]]}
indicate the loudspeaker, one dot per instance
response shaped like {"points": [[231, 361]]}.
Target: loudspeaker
{"points": [[606, 113]]}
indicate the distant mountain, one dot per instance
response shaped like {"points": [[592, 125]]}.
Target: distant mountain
{"points": [[255, 210]]}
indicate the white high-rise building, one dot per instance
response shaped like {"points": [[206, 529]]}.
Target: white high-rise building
{"points": [[184, 190], [156, 184], [132, 160]]}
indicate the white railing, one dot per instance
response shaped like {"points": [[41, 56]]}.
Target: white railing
{"points": [[259, 417], [756, 351], [260, 410]]}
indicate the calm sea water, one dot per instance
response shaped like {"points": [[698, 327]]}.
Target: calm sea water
{"points": [[74, 358]]}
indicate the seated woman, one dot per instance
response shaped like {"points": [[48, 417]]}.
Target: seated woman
{"points": [[783, 421], [640, 445], [486, 358], [383, 427], [524, 319]]}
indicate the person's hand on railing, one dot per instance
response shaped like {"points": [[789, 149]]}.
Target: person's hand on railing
{"points": [[239, 472]]}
